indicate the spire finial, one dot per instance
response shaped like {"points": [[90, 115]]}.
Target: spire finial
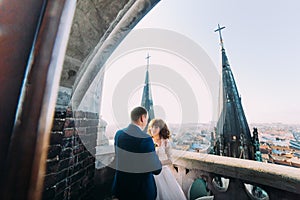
{"points": [[219, 30], [148, 58]]}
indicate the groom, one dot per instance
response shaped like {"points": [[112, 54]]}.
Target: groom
{"points": [[136, 160]]}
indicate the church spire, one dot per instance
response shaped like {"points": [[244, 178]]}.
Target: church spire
{"points": [[225, 62], [232, 126], [147, 101]]}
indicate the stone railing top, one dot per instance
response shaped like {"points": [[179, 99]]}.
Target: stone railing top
{"points": [[278, 176], [252, 172]]}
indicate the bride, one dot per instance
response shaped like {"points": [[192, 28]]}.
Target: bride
{"points": [[166, 184]]}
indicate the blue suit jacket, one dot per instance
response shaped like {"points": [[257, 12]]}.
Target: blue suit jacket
{"points": [[136, 162]]}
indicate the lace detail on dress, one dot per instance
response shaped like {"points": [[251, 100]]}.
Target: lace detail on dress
{"points": [[164, 150], [166, 184]]}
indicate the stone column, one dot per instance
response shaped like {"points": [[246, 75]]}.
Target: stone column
{"points": [[101, 138], [104, 152]]}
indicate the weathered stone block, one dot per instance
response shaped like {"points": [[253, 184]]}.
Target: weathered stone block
{"points": [[92, 122], [90, 170], [63, 164], [61, 175], [72, 160], [58, 124], [66, 153], [52, 166], [79, 114], [64, 195], [81, 123], [61, 186], [60, 114], [82, 156], [92, 130], [86, 162], [89, 137], [56, 138], [67, 142], [54, 151], [77, 167], [69, 123], [75, 177], [50, 180], [76, 141], [78, 149], [49, 193], [76, 190], [85, 181], [69, 132], [92, 151], [90, 115], [69, 112], [81, 130]]}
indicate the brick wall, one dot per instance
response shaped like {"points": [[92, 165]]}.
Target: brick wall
{"points": [[71, 156]]}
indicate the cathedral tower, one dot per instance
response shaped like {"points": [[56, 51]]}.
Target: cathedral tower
{"points": [[233, 134]]}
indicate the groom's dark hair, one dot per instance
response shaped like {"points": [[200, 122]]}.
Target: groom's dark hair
{"points": [[137, 112]]}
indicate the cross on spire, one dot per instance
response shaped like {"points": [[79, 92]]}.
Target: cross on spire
{"points": [[148, 58], [219, 30]]}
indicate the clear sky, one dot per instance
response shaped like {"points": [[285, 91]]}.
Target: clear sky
{"points": [[262, 42]]}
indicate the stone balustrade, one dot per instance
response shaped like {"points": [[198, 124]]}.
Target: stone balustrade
{"points": [[279, 182]]}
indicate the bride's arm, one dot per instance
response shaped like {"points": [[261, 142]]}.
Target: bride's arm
{"points": [[168, 150]]}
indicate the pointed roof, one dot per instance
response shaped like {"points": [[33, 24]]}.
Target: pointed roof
{"points": [[147, 101], [232, 123]]}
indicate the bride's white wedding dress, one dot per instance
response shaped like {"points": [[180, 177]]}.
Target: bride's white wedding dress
{"points": [[166, 184]]}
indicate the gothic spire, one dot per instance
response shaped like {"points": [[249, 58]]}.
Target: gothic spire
{"points": [[147, 101], [232, 125]]}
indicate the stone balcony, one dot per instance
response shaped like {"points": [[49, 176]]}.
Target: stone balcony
{"points": [[279, 182]]}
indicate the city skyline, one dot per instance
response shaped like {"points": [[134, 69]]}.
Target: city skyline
{"points": [[262, 44]]}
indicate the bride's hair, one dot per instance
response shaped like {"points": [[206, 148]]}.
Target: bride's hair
{"points": [[164, 130]]}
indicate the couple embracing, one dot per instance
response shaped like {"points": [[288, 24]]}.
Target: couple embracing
{"points": [[141, 161]]}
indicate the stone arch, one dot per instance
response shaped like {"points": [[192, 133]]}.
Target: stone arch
{"points": [[98, 27]]}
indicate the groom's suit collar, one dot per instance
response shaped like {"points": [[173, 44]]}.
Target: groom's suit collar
{"points": [[135, 131], [136, 126]]}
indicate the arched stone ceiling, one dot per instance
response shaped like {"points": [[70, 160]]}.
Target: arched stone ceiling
{"points": [[92, 19], [98, 28], [93, 23]]}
